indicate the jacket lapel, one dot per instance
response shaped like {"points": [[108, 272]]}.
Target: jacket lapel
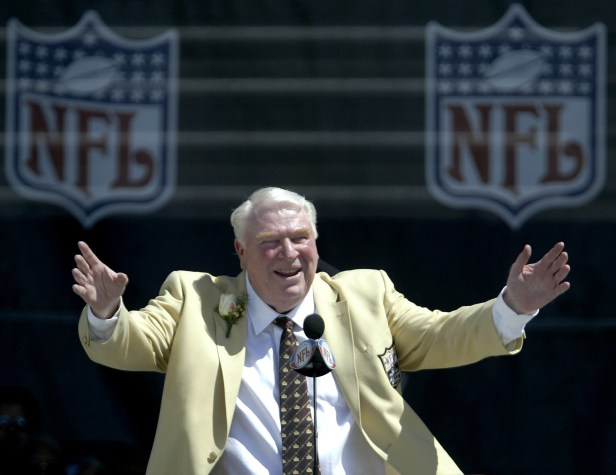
{"points": [[231, 350], [339, 335]]}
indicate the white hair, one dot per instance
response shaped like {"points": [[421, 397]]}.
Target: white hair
{"points": [[270, 198]]}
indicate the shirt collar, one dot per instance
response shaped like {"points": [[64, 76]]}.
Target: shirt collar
{"points": [[261, 315]]}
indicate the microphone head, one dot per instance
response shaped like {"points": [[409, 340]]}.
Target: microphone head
{"points": [[314, 326]]}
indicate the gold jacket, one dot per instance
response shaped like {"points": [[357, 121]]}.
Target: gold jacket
{"points": [[180, 334]]}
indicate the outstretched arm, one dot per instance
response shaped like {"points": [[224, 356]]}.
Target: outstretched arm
{"points": [[532, 286], [98, 285]]}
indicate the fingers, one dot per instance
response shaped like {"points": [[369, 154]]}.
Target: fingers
{"points": [[557, 261], [560, 260], [553, 254], [81, 281], [81, 259], [79, 290], [82, 265], [79, 287], [559, 264], [88, 255], [563, 287], [561, 274], [82, 273], [78, 276]]}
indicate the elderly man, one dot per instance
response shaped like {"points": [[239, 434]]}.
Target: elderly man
{"points": [[220, 405]]}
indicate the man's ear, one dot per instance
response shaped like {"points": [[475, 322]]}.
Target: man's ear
{"points": [[239, 250]]}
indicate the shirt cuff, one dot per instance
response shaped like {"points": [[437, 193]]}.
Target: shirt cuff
{"points": [[102, 329], [509, 324]]}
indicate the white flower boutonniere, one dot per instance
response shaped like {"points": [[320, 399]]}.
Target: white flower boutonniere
{"points": [[231, 308]]}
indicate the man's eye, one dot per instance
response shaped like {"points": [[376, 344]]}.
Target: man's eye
{"points": [[300, 239]]}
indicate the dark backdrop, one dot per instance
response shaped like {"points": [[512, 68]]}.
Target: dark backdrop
{"points": [[325, 98]]}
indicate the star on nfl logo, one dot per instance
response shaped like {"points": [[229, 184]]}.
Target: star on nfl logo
{"points": [[91, 118], [515, 116]]}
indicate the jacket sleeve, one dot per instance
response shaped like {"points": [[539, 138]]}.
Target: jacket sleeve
{"points": [[427, 339], [142, 339]]}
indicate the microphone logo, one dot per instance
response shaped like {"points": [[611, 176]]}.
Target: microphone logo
{"points": [[304, 356], [313, 357]]}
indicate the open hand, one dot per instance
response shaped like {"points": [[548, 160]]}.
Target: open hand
{"points": [[98, 285], [532, 286]]}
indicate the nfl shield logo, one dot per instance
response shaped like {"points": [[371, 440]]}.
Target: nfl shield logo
{"points": [[91, 118], [515, 116], [389, 358]]}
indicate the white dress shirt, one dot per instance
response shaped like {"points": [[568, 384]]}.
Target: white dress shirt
{"points": [[254, 443]]}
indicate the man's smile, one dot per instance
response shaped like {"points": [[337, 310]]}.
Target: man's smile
{"points": [[287, 272]]}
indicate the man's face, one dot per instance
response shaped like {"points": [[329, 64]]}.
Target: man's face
{"points": [[280, 256]]}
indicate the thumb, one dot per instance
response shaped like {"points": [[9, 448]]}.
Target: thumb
{"points": [[121, 280], [522, 259]]}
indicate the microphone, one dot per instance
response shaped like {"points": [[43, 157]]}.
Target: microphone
{"points": [[314, 326], [313, 357]]}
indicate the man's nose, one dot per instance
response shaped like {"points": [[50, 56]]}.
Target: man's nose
{"points": [[287, 249]]}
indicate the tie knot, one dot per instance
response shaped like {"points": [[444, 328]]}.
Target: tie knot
{"points": [[284, 322]]}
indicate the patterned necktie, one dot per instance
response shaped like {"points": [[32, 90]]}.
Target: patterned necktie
{"points": [[295, 417]]}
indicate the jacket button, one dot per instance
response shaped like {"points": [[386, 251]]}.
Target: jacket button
{"points": [[212, 457]]}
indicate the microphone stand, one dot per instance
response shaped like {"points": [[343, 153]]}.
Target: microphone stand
{"points": [[315, 465], [314, 328]]}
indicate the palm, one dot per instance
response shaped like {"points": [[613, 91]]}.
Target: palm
{"points": [[532, 286], [102, 285], [98, 285]]}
